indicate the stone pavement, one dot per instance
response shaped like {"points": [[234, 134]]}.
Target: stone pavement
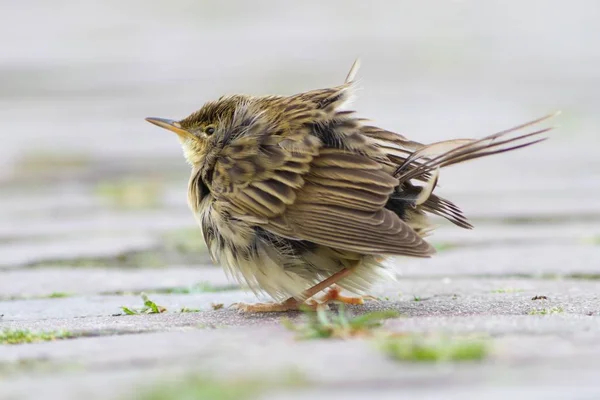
{"points": [[93, 199]]}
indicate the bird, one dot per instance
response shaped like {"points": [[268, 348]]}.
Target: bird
{"points": [[299, 198]]}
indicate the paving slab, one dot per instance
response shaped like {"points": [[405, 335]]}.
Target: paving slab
{"points": [[415, 297], [115, 222], [326, 365], [15, 255], [44, 281], [530, 260], [74, 307], [23, 283], [493, 233]]}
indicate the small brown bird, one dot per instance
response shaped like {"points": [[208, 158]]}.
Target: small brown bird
{"points": [[296, 195]]}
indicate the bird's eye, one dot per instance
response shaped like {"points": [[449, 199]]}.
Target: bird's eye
{"points": [[210, 130]]}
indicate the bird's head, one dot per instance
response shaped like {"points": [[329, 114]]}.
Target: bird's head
{"points": [[201, 130]]}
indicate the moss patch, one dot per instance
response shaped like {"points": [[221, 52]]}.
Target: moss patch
{"points": [[58, 295], [204, 388], [414, 348], [185, 240], [48, 162], [17, 336], [131, 194], [508, 290], [442, 246], [546, 311], [201, 287]]}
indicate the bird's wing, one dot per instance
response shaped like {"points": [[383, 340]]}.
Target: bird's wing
{"points": [[295, 188]]}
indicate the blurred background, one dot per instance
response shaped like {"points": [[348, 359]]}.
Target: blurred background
{"points": [[83, 176], [93, 206]]}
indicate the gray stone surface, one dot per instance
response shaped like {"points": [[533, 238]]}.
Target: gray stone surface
{"points": [[327, 365], [78, 78], [107, 222], [530, 260], [18, 254], [494, 233], [25, 283]]}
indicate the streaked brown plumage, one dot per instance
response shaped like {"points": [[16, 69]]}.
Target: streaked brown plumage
{"points": [[295, 194]]}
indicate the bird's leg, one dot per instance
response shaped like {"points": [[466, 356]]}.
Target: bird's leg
{"points": [[333, 294], [292, 304], [344, 272]]}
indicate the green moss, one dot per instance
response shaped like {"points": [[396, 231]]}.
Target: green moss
{"points": [[131, 194], [193, 387], [45, 162], [440, 247], [588, 277], [546, 311], [186, 240], [156, 258], [417, 349], [54, 295], [58, 295], [201, 287], [145, 259], [203, 389], [17, 336], [37, 365], [508, 290], [178, 247]]}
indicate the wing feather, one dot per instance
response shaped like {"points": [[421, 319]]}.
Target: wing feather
{"points": [[303, 191]]}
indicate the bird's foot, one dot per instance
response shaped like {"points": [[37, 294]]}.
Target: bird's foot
{"points": [[333, 294], [290, 304]]}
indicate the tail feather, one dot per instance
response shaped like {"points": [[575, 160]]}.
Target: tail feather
{"points": [[423, 164], [451, 152], [446, 209]]}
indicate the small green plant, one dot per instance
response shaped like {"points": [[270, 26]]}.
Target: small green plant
{"points": [[150, 307], [416, 298], [418, 349], [546, 311], [322, 324], [18, 336]]}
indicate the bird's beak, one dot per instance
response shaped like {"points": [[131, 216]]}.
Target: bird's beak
{"points": [[171, 125]]}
